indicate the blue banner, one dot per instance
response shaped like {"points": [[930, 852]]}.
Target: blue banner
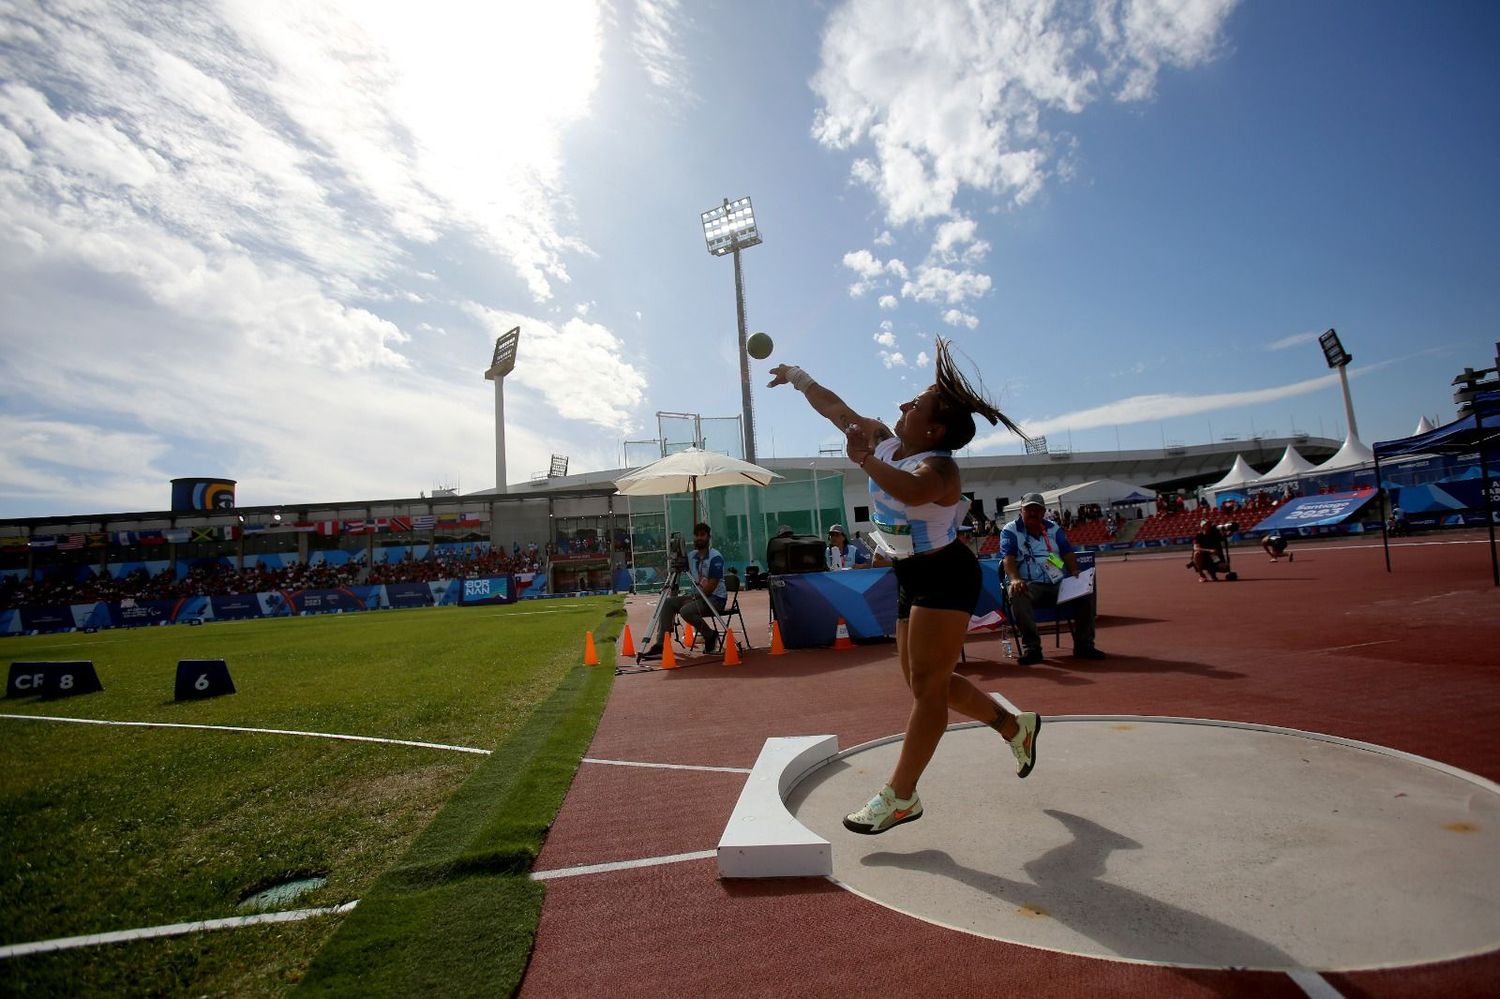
{"points": [[408, 594], [493, 590], [1325, 510], [326, 601], [235, 607]]}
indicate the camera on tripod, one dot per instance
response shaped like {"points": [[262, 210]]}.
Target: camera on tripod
{"points": [[678, 561]]}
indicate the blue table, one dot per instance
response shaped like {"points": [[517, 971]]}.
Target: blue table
{"points": [[808, 605]]}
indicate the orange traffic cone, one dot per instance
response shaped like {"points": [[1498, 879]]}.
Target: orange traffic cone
{"points": [[627, 644], [668, 657], [777, 649], [688, 635], [590, 657], [731, 648], [841, 637]]}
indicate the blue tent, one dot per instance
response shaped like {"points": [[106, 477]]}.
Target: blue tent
{"points": [[1479, 430]]}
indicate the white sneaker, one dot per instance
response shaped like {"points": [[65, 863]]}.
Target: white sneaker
{"points": [[883, 812], [1024, 744]]}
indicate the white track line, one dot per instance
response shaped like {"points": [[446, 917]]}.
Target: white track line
{"points": [[668, 766], [173, 930], [622, 865], [1314, 984], [263, 731]]}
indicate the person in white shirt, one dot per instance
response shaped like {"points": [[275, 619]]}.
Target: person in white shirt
{"points": [[917, 503]]}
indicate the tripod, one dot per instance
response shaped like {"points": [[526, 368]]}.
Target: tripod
{"points": [[676, 567]]}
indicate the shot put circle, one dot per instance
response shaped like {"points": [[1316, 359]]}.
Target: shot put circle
{"points": [[1182, 842]]}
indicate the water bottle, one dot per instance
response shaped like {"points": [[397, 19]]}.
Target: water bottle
{"points": [[1010, 649]]}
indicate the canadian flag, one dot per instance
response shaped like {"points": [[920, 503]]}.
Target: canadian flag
{"points": [[326, 526]]}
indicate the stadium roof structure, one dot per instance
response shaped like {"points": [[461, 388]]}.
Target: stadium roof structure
{"points": [[1101, 491]]}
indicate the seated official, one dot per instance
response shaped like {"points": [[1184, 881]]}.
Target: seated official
{"points": [[842, 553], [706, 568], [1037, 556]]}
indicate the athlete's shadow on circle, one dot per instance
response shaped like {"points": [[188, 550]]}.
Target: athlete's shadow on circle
{"points": [[1066, 885]]}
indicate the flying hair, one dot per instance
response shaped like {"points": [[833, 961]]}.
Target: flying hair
{"points": [[960, 395]]}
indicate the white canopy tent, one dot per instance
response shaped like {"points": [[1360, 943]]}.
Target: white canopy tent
{"points": [[1354, 454], [1291, 465], [1423, 427], [1240, 476], [1100, 491]]}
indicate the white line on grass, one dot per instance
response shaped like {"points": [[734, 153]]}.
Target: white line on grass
{"points": [[263, 731], [668, 766], [622, 865], [173, 930]]}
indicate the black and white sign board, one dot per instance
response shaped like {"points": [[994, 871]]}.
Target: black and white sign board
{"points": [[200, 678], [52, 679]]}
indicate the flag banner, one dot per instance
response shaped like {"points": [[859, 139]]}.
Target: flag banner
{"points": [[177, 535], [359, 527], [326, 527], [423, 523], [47, 542], [203, 534], [97, 539], [69, 542], [399, 524]]}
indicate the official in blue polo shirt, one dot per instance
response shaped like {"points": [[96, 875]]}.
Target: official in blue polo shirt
{"points": [[1037, 554], [705, 565]]}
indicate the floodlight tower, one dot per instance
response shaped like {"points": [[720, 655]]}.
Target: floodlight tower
{"points": [[1337, 357], [503, 362], [730, 228]]}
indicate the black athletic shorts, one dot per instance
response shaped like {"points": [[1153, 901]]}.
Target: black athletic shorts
{"points": [[947, 579]]}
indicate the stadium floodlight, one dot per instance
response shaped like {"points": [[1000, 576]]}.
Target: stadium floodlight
{"points": [[1338, 358], [728, 229], [501, 364], [559, 466], [1333, 350], [1036, 445]]}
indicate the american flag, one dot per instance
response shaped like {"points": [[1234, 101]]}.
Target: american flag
{"points": [[68, 542]]}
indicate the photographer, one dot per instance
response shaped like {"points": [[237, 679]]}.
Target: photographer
{"points": [[706, 567]]}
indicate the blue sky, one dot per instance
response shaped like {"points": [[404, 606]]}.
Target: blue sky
{"points": [[275, 241]]}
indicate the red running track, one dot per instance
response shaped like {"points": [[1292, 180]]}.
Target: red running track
{"points": [[1329, 643]]}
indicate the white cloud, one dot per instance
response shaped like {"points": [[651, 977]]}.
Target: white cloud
{"points": [[956, 317], [1295, 340], [655, 43], [885, 338], [578, 369], [922, 359], [864, 263], [893, 359], [216, 213], [1165, 406], [885, 238], [949, 94], [887, 302], [958, 242], [943, 285]]}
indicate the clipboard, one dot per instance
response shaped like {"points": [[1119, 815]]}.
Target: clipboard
{"points": [[1073, 587]]}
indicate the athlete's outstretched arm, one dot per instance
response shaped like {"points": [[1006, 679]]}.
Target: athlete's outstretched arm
{"points": [[828, 404]]}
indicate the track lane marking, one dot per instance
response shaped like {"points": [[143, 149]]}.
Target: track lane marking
{"points": [[261, 731]]}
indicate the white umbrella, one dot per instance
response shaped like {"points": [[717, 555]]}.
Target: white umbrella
{"points": [[692, 470]]}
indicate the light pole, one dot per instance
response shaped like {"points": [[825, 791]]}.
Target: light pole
{"points": [[730, 228], [501, 364], [1337, 357]]}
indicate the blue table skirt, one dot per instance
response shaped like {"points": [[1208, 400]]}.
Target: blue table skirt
{"points": [[808, 605]]}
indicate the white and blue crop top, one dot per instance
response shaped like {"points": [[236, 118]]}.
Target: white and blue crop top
{"points": [[902, 530]]}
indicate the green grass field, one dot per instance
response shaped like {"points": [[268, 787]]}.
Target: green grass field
{"points": [[114, 828]]}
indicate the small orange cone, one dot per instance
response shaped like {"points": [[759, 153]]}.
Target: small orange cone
{"points": [[777, 649], [688, 635], [668, 657], [627, 644], [841, 637], [731, 648], [590, 657]]}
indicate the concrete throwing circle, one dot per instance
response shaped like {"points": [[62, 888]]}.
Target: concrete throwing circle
{"points": [[1173, 841]]}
